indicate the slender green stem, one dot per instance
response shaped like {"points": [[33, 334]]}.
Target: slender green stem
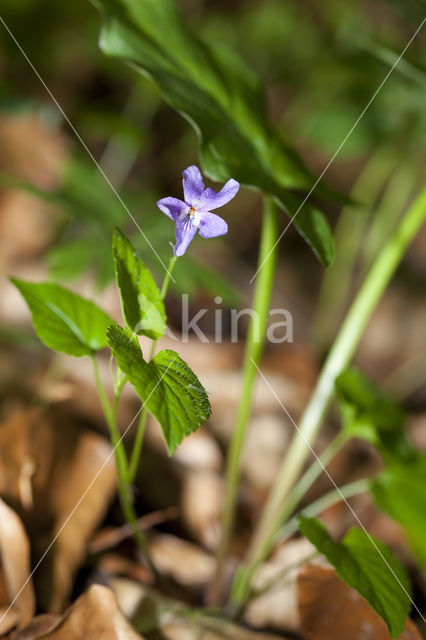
{"points": [[140, 431], [126, 498], [240, 589], [392, 205], [325, 502], [137, 445], [254, 347], [117, 443], [339, 357], [307, 480], [298, 492], [280, 575], [167, 277], [407, 377], [348, 239]]}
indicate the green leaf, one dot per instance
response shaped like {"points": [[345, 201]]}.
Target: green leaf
{"points": [[369, 567], [224, 102], [141, 302], [166, 385], [63, 320], [370, 414], [400, 492]]}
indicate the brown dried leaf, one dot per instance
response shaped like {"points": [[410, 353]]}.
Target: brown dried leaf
{"points": [[26, 450], [330, 610], [188, 564], [15, 558], [47, 464], [94, 615], [71, 494], [201, 505]]}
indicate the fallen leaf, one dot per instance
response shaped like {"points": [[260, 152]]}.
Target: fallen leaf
{"points": [[47, 464], [15, 558], [201, 505], [71, 495], [329, 610], [26, 451], [94, 615], [188, 564]]}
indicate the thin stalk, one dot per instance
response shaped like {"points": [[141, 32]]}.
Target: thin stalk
{"points": [[338, 359], [280, 575], [348, 236], [407, 377], [392, 204], [254, 347], [325, 502], [246, 573], [240, 589], [140, 430], [307, 480], [167, 277], [137, 445], [116, 440], [126, 498]]}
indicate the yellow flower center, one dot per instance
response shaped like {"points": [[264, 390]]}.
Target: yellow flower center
{"points": [[192, 210]]}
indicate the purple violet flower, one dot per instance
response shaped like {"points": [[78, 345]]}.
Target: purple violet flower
{"points": [[195, 212]]}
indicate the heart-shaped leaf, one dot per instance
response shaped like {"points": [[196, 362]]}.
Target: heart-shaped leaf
{"points": [[167, 386], [63, 320]]}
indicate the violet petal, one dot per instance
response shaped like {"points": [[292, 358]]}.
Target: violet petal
{"points": [[211, 225], [193, 185], [172, 207], [211, 200], [185, 231]]}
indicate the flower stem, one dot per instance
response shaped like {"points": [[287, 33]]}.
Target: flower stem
{"points": [[167, 277], [126, 498], [348, 241], [140, 431], [241, 593], [117, 443], [254, 347], [321, 504], [246, 572], [339, 357]]}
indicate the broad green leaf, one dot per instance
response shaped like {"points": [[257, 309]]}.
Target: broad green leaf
{"points": [[400, 492], [224, 102], [369, 567], [166, 385], [370, 414], [141, 302], [63, 320]]}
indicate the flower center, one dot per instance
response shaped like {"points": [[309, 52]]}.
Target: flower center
{"points": [[192, 211]]}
